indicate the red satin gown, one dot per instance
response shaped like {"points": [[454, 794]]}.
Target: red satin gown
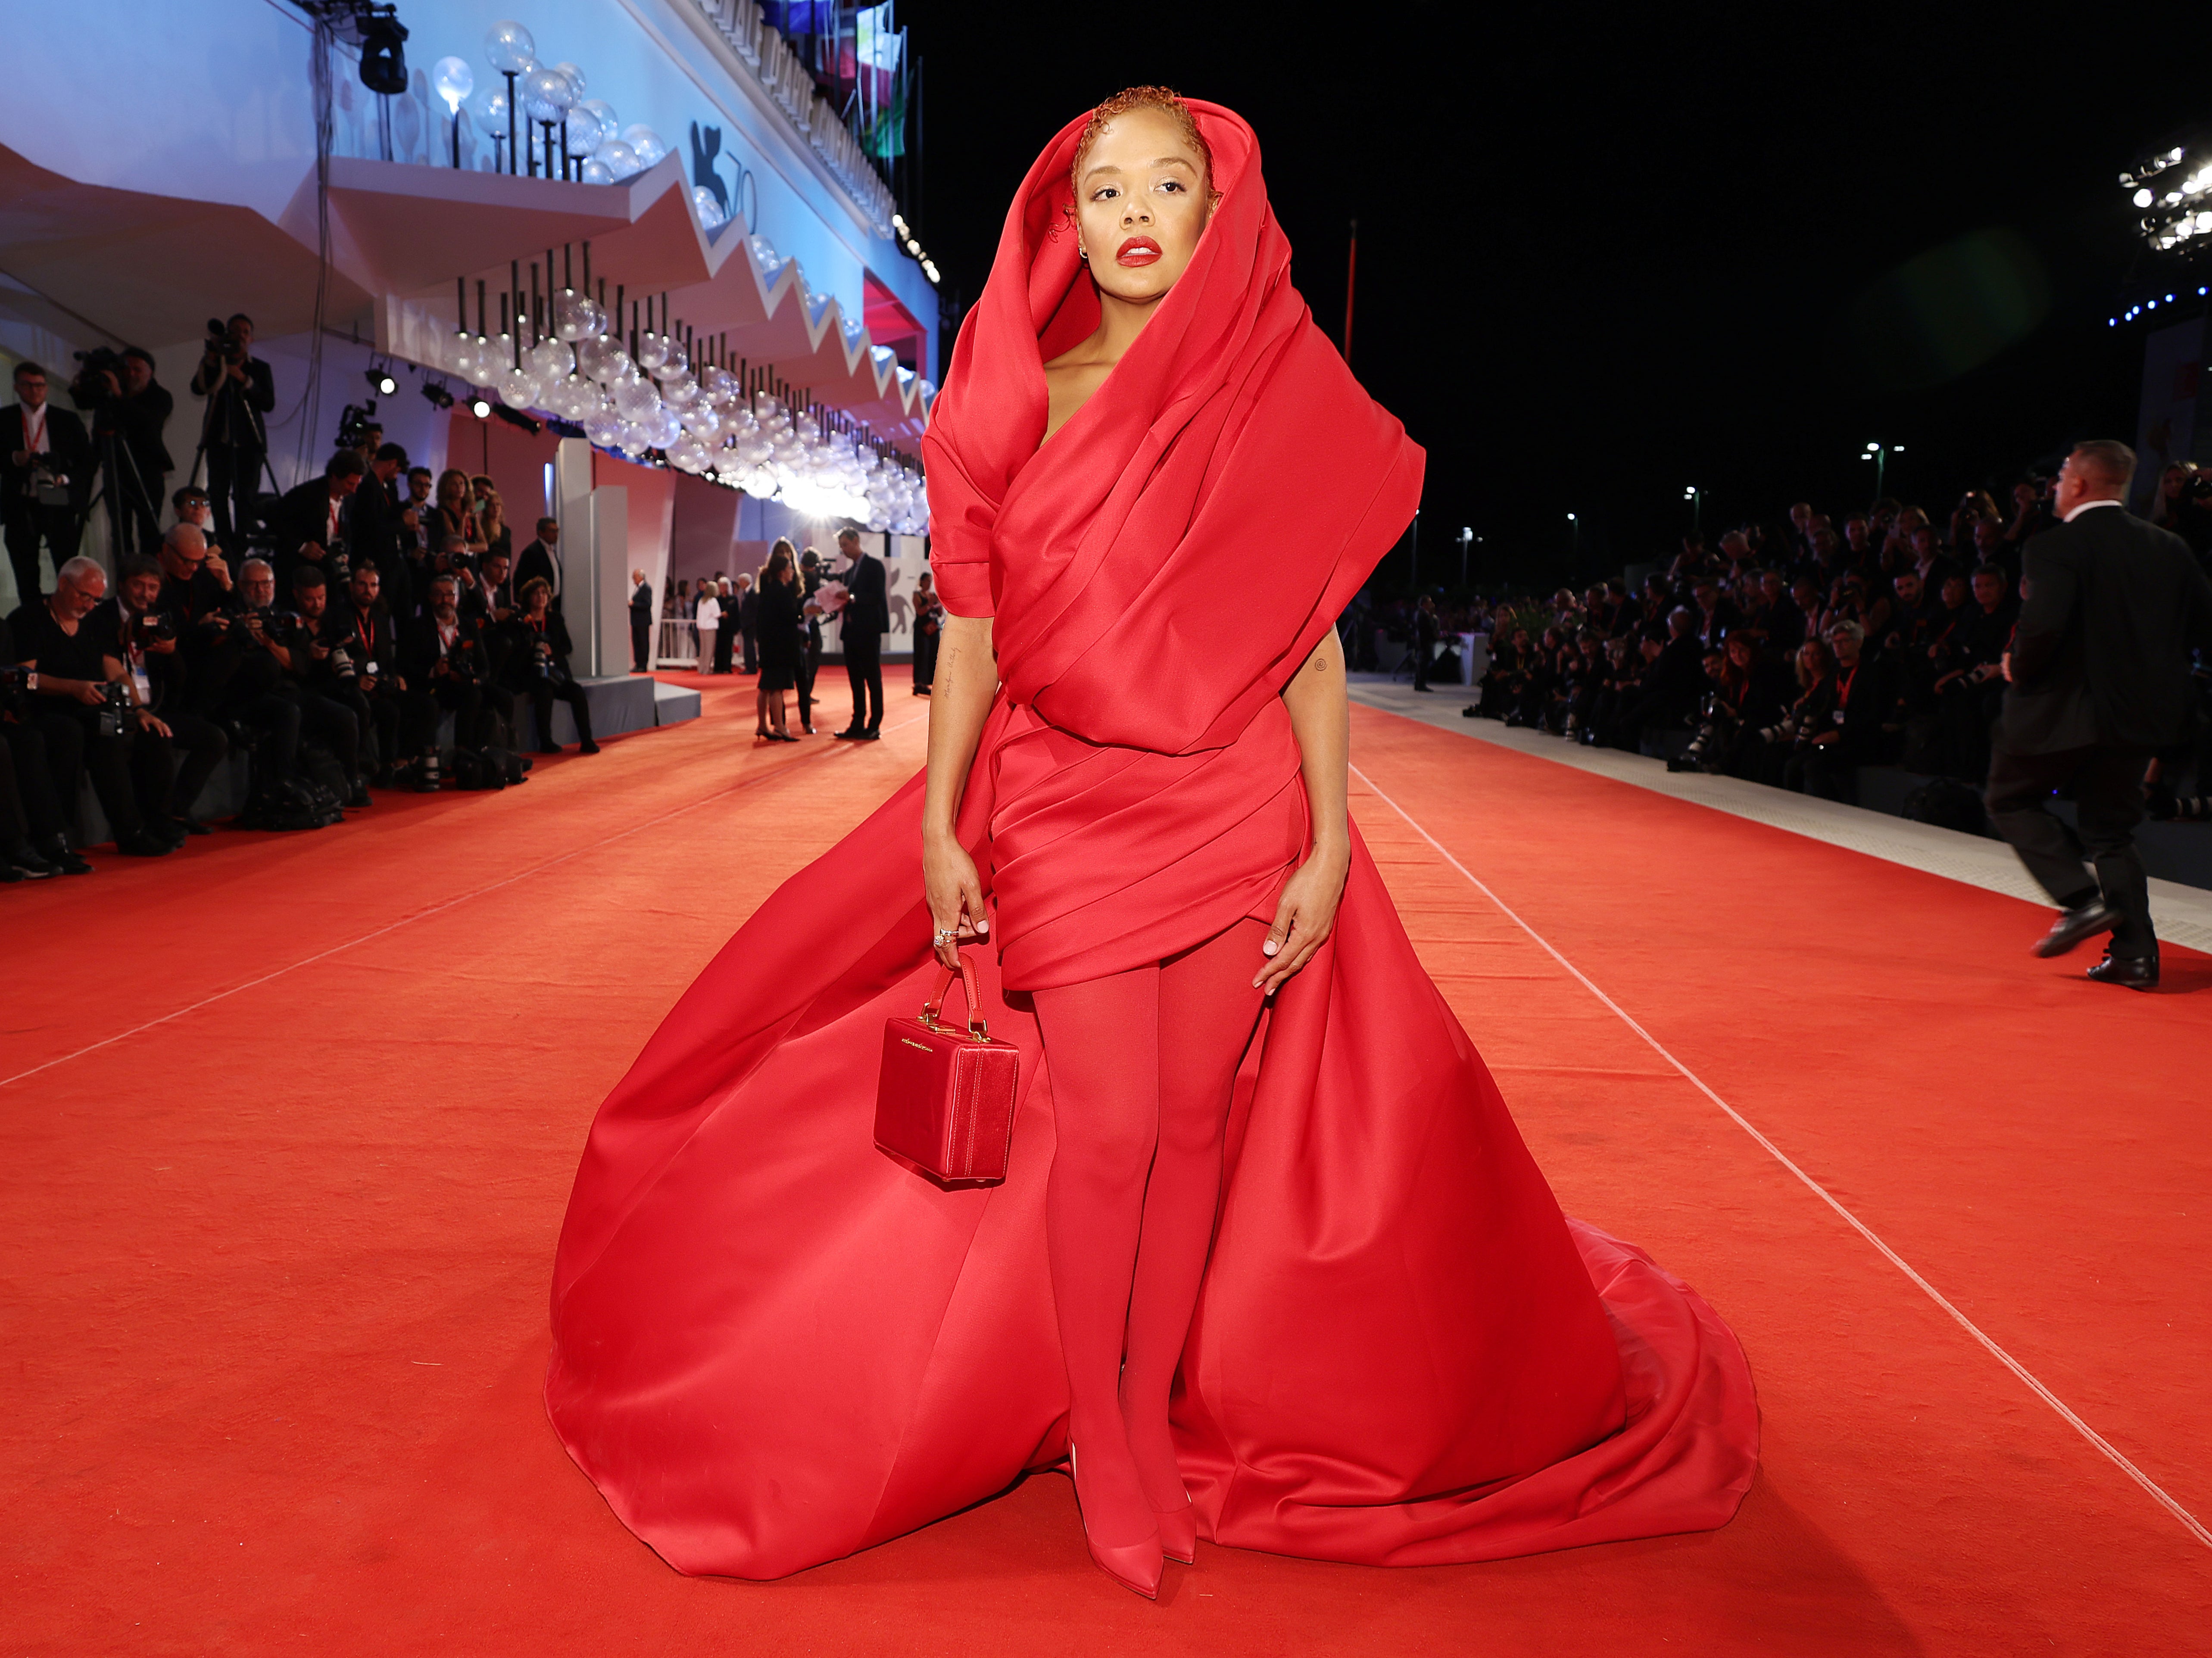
{"points": [[773, 1346]]}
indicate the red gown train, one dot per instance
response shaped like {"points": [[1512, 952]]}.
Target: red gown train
{"points": [[774, 1346]]}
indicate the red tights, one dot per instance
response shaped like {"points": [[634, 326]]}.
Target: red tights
{"points": [[1141, 1064]]}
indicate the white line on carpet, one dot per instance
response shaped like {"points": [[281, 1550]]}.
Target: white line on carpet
{"points": [[423, 914], [2196, 1527]]}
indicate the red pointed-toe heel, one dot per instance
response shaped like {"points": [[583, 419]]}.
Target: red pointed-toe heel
{"points": [[1178, 1532], [1135, 1566]]}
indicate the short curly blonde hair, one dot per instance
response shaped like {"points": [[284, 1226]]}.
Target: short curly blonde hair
{"points": [[1163, 98]]}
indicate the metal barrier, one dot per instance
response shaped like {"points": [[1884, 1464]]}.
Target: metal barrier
{"points": [[679, 644]]}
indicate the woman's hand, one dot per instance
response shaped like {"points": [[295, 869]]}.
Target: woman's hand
{"points": [[1305, 917], [955, 892]]}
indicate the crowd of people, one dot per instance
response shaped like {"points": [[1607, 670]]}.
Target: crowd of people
{"points": [[769, 622], [1794, 655], [327, 633]]}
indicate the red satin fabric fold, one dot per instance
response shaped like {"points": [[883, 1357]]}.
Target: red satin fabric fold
{"points": [[773, 1346]]}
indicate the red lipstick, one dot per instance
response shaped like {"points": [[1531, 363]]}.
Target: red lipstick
{"points": [[1137, 251]]}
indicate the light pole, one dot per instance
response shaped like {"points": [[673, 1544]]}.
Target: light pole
{"points": [[1879, 453], [1696, 497]]}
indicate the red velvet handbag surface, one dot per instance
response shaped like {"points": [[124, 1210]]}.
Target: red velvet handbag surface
{"points": [[944, 1097]]}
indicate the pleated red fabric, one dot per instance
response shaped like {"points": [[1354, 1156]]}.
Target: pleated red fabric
{"points": [[774, 1346]]}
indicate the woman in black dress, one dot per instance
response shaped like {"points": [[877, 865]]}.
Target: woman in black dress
{"points": [[781, 636]]}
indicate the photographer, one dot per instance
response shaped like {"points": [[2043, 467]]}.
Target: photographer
{"points": [[307, 523], [362, 625], [249, 666], [234, 433], [538, 667], [324, 671], [443, 654], [46, 473], [141, 638], [33, 841], [1865, 722], [1968, 660], [83, 705], [130, 409]]}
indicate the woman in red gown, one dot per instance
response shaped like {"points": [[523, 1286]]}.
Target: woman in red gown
{"points": [[1271, 1260]]}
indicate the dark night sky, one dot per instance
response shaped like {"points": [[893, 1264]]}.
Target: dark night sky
{"points": [[1600, 260]]}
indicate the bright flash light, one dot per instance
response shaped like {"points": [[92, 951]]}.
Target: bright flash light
{"points": [[2143, 198]]}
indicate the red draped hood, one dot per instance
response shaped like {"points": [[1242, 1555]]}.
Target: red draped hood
{"points": [[1206, 515]]}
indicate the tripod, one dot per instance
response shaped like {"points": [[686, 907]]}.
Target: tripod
{"points": [[230, 501], [123, 492]]}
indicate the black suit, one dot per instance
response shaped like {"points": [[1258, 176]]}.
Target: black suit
{"points": [[867, 618], [376, 536], [640, 628], [31, 524], [304, 515], [540, 561], [2100, 680]]}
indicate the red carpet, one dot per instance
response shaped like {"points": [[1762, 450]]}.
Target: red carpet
{"points": [[275, 1266]]}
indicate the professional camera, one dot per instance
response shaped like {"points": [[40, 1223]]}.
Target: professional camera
{"points": [[548, 665], [222, 342], [87, 391], [340, 664], [278, 627], [354, 421], [153, 627], [114, 709], [46, 483]]}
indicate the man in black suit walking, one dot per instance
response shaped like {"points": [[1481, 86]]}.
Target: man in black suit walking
{"points": [[2099, 678], [867, 618], [45, 475]]}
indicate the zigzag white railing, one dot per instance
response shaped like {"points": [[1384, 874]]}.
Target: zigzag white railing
{"points": [[785, 79]]}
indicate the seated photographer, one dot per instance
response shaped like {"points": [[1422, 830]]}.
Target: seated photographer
{"points": [[362, 625], [306, 524], [1969, 683], [324, 678], [324, 669], [45, 478], [249, 664], [538, 666], [1866, 724], [33, 839], [443, 654], [142, 639], [83, 707]]}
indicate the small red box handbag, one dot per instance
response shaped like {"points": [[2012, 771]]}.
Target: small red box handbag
{"points": [[945, 1100]]}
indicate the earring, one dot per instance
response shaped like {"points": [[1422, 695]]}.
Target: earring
{"points": [[1083, 253]]}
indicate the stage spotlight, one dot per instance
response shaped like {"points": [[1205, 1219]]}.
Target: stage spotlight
{"points": [[383, 50], [380, 381], [480, 405], [436, 392], [2143, 198], [516, 417]]}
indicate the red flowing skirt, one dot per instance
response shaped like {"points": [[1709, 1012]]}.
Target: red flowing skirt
{"points": [[773, 1346]]}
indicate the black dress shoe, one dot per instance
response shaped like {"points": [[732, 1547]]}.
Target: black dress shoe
{"points": [[56, 852], [2073, 926], [358, 796], [169, 829], [870, 735], [28, 865], [144, 844], [191, 825], [2135, 972], [848, 734], [587, 746]]}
